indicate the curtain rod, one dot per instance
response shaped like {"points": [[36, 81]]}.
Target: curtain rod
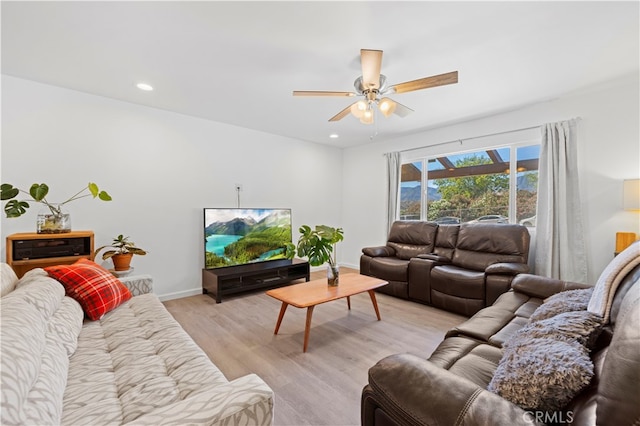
{"points": [[471, 138], [478, 137]]}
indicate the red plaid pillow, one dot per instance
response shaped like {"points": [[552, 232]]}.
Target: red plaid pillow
{"points": [[91, 285]]}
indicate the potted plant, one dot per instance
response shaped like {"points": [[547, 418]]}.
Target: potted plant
{"points": [[121, 253], [52, 219], [319, 246]]}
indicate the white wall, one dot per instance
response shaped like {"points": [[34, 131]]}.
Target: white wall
{"points": [[609, 152], [161, 169]]}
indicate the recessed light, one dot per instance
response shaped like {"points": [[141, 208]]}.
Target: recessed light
{"points": [[334, 136], [144, 86]]}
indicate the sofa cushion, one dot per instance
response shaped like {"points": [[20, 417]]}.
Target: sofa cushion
{"points": [[8, 279], [467, 358], [40, 328], [546, 363], [482, 244], [95, 288], [497, 323], [449, 279], [411, 238], [565, 301], [389, 268], [446, 239], [134, 360]]}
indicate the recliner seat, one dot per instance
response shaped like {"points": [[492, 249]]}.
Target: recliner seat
{"points": [[407, 239]]}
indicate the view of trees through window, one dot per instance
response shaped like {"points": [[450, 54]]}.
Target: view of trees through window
{"points": [[473, 187]]}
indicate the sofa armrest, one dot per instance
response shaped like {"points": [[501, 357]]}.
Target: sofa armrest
{"points": [[247, 400], [138, 284], [542, 287], [380, 251], [413, 391], [507, 268]]}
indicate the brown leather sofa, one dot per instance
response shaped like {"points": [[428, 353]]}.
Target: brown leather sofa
{"points": [[460, 268], [407, 239], [450, 387]]}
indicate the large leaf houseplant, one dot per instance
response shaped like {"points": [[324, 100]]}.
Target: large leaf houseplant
{"points": [[319, 246], [53, 219]]}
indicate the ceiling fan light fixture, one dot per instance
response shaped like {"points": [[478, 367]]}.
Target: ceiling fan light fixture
{"points": [[387, 106], [358, 108], [367, 116]]}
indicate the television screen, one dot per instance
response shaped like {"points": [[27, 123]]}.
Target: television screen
{"points": [[240, 236]]}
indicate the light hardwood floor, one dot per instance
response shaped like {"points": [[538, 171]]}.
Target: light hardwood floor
{"points": [[323, 385]]}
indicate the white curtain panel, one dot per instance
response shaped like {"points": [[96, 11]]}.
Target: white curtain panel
{"points": [[560, 247], [393, 183]]}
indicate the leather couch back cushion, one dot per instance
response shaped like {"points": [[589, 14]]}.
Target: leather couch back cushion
{"points": [[413, 232], [480, 245], [411, 238], [618, 384], [447, 236], [446, 239]]}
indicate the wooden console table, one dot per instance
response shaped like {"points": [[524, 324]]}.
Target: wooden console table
{"points": [[30, 250]]}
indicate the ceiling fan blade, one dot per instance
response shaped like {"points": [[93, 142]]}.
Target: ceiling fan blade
{"points": [[425, 83], [371, 63], [402, 110], [342, 114], [321, 93]]}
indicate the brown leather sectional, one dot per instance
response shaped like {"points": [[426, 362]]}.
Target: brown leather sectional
{"points": [[451, 386], [460, 268]]}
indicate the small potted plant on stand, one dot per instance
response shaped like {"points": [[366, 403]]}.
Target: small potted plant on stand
{"points": [[123, 251], [319, 246]]}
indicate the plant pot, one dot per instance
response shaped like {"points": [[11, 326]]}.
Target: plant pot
{"points": [[122, 262], [333, 275], [53, 221]]}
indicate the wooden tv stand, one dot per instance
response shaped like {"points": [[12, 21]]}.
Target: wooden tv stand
{"points": [[218, 282]]}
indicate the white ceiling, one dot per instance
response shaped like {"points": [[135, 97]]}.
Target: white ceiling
{"points": [[238, 62]]}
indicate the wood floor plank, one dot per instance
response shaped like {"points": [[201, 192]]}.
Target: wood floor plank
{"points": [[323, 385]]}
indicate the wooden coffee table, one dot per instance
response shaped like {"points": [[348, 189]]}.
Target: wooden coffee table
{"points": [[312, 293]]}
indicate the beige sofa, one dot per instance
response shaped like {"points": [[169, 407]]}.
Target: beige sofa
{"points": [[135, 365]]}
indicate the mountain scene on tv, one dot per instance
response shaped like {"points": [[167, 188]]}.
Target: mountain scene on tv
{"points": [[235, 237]]}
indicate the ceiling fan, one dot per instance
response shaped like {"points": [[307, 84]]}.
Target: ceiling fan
{"points": [[371, 84]]}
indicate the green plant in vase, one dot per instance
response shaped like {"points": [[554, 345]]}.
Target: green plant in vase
{"points": [[319, 245], [52, 219], [122, 251]]}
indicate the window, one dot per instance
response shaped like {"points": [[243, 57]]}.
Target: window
{"points": [[495, 185]]}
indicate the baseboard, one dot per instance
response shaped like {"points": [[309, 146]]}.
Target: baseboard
{"points": [[196, 291], [180, 294], [323, 267]]}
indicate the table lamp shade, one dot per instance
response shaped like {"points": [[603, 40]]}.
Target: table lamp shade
{"points": [[631, 195]]}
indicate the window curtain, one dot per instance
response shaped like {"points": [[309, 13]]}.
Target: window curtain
{"points": [[393, 183], [560, 249]]}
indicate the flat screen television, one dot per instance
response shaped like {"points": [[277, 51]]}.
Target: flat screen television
{"points": [[240, 236]]}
